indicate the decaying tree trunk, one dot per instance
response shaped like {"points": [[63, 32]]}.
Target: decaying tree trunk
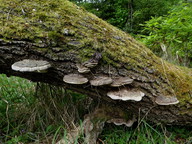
{"points": [[66, 35]]}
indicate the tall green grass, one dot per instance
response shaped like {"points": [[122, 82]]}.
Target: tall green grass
{"points": [[15, 95], [40, 113]]}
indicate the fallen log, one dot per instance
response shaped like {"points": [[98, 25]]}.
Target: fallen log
{"points": [[62, 44]]}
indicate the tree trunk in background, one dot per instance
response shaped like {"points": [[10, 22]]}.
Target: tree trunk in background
{"points": [[129, 23], [64, 34]]}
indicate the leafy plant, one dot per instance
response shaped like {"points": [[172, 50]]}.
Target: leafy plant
{"points": [[170, 35]]}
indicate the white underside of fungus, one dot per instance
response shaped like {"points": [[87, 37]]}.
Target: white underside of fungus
{"points": [[28, 65], [120, 81], [120, 121], [101, 80], [75, 79], [166, 100], [126, 94]]}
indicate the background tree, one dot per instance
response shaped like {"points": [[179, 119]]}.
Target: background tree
{"points": [[127, 14]]}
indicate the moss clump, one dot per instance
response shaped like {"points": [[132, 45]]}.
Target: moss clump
{"points": [[33, 19], [179, 80]]}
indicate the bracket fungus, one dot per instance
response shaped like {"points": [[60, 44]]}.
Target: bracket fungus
{"points": [[28, 65], [101, 80], [82, 69], [90, 63], [75, 79], [166, 100], [93, 61], [121, 121], [126, 94], [120, 81]]}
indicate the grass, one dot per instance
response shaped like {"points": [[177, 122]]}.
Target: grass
{"points": [[27, 117], [144, 134]]}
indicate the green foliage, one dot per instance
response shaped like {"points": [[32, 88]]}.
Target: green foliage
{"points": [[112, 11], [13, 92], [145, 9], [171, 35], [146, 133], [127, 14]]}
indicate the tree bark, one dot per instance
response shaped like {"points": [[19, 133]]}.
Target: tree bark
{"points": [[65, 34]]}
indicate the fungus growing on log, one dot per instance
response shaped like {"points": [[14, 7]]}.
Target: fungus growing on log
{"points": [[120, 81], [82, 69], [28, 65], [166, 100], [93, 61], [75, 79], [90, 63], [101, 80], [126, 94], [121, 121]]}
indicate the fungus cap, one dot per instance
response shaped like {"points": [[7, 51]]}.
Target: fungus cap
{"points": [[75, 79], [101, 80], [166, 100], [93, 61], [121, 121], [28, 65], [126, 94], [120, 81], [90, 64], [82, 69]]}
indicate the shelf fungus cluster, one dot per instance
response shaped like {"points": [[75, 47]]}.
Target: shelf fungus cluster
{"points": [[28, 65], [123, 92]]}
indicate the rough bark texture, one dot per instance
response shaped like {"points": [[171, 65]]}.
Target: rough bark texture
{"points": [[64, 35]]}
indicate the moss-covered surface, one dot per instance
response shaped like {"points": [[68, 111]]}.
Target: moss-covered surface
{"points": [[66, 26]]}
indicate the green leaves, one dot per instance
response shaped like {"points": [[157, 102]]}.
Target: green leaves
{"points": [[173, 30], [127, 14]]}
